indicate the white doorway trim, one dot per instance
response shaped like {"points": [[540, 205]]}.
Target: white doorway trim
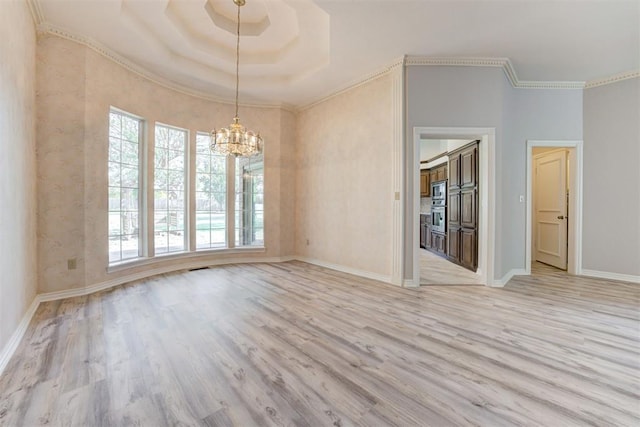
{"points": [[487, 195], [574, 254]]}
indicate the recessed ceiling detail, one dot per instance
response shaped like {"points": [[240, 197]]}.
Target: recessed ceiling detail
{"points": [[298, 51], [218, 11]]}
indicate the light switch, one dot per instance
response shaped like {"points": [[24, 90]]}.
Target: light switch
{"points": [[521, 198]]}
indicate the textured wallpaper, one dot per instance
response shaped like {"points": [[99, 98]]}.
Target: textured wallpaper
{"points": [[76, 87], [17, 166], [344, 194]]}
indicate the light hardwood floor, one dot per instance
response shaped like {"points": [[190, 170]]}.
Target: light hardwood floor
{"points": [[435, 270], [296, 344]]}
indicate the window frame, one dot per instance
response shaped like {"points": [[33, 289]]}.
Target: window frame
{"points": [[185, 176], [142, 248]]}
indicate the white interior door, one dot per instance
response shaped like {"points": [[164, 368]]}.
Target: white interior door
{"points": [[550, 206]]}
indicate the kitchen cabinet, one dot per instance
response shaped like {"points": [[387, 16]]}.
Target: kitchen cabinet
{"points": [[468, 249], [425, 183], [425, 231], [468, 208], [463, 206], [454, 172], [453, 250], [438, 173], [439, 242]]}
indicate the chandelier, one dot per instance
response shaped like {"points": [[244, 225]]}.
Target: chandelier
{"points": [[236, 140]]}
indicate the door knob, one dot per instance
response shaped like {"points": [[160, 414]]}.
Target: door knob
{"points": [[560, 217]]}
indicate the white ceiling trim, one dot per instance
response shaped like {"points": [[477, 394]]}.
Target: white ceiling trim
{"points": [[612, 79], [36, 12], [46, 28], [380, 72], [503, 63]]}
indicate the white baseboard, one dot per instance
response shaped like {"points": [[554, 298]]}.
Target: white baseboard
{"points": [[499, 283], [410, 283], [87, 290], [345, 269], [611, 276], [15, 339]]}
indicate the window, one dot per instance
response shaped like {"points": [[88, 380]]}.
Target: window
{"points": [[249, 217], [175, 199], [211, 196], [169, 190], [125, 133]]}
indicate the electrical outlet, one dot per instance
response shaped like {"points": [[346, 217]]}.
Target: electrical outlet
{"points": [[72, 264]]}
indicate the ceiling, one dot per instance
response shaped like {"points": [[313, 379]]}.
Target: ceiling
{"points": [[297, 51]]}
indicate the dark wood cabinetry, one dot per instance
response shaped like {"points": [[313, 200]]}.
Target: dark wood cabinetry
{"points": [[428, 238], [453, 251], [438, 173], [439, 242], [463, 206], [425, 183], [425, 231], [454, 172]]}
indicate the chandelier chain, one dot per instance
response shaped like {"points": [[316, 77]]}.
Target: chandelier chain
{"points": [[236, 140], [238, 60]]}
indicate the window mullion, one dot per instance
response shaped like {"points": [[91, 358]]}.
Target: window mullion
{"points": [[231, 202]]}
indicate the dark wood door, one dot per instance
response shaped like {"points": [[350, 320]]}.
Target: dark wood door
{"points": [[468, 166], [453, 241], [442, 173], [468, 208], [439, 243], [454, 209], [463, 206], [454, 172], [468, 251]]}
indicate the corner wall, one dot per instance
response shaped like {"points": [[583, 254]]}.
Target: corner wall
{"points": [[611, 218], [17, 167], [344, 189]]}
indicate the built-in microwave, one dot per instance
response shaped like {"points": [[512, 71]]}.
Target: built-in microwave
{"points": [[439, 192], [438, 218]]}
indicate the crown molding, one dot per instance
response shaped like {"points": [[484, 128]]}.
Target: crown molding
{"points": [[503, 63], [47, 28], [36, 12], [532, 84], [380, 72], [612, 79]]}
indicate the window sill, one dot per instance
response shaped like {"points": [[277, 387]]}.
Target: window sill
{"points": [[137, 262]]}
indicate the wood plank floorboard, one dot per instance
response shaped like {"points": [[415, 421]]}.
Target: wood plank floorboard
{"points": [[294, 344], [438, 271]]}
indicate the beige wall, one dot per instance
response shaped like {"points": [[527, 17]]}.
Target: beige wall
{"points": [[344, 194], [17, 166], [76, 87]]}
